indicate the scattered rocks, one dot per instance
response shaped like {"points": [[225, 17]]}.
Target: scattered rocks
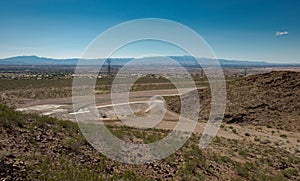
{"points": [[263, 99]]}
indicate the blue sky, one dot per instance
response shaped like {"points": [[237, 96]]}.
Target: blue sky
{"points": [[235, 29]]}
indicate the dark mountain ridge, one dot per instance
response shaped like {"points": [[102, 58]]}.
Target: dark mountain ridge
{"points": [[183, 60]]}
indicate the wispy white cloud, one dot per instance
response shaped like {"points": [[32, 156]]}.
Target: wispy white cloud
{"points": [[280, 33]]}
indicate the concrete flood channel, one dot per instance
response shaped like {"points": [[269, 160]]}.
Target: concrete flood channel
{"points": [[141, 104]]}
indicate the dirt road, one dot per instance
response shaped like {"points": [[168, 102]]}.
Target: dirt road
{"points": [[61, 108]]}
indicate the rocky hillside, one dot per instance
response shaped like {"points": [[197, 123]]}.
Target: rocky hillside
{"points": [[34, 147], [271, 99]]}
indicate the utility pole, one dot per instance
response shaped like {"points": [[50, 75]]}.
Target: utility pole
{"points": [[108, 67], [201, 72], [245, 71], [109, 81]]}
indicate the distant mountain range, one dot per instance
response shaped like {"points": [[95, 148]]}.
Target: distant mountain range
{"points": [[183, 60]]}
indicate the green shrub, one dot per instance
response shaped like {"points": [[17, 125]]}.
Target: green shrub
{"points": [[290, 172], [283, 136]]}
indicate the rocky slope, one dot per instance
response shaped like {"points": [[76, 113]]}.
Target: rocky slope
{"points": [[271, 99], [34, 147]]}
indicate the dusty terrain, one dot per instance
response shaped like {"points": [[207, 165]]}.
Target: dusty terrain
{"points": [[258, 140], [43, 148], [270, 99]]}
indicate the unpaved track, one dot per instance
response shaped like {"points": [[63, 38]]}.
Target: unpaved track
{"points": [[61, 107], [255, 134], [103, 99]]}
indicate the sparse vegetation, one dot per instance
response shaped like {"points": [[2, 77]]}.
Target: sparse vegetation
{"points": [[69, 157], [283, 136], [57, 88], [247, 134], [34, 147], [265, 141], [256, 139]]}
